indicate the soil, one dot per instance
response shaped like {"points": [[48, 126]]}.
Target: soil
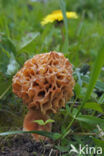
{"points": [[24, 145]]}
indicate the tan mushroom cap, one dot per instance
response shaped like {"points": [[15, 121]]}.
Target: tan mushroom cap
{"points": [[45, 82]]}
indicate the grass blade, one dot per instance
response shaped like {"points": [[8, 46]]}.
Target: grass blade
{"points": [[66, 42], [53, 136], [93, 78], [3, 94]]}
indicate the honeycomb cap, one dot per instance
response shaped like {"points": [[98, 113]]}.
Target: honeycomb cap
{"points": [[45, 82]]}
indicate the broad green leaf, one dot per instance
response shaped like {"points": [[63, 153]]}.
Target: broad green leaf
{"points": [[27, 41], [94, 106], [92, 120], [7, 56]]}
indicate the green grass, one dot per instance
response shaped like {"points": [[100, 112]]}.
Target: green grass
{"points": [[22, 36]]}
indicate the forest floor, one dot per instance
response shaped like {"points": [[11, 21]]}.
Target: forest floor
{"points": [[24, 145]]}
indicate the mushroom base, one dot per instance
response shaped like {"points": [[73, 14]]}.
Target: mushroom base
{"points": [[30, 125]]}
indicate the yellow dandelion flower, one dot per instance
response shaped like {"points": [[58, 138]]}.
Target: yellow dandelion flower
{"points": [[58, 16]]}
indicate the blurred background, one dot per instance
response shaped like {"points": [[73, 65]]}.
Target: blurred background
{"points": [[20, 21]]}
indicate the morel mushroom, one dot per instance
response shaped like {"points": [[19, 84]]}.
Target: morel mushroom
{"points": [[30, 125], [45, 82]]}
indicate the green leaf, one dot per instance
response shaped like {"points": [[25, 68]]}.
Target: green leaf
{"points": [[4, 85], [99, 143], [78, 74], [77, 89], [28, 42], [7, 56], [99, 85], [3, 94], [53, 136], [7, 44], [94, 106], [92, 120], [13, 66], [40, 122], [101, 99], [49, 121], [63, 148]]}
